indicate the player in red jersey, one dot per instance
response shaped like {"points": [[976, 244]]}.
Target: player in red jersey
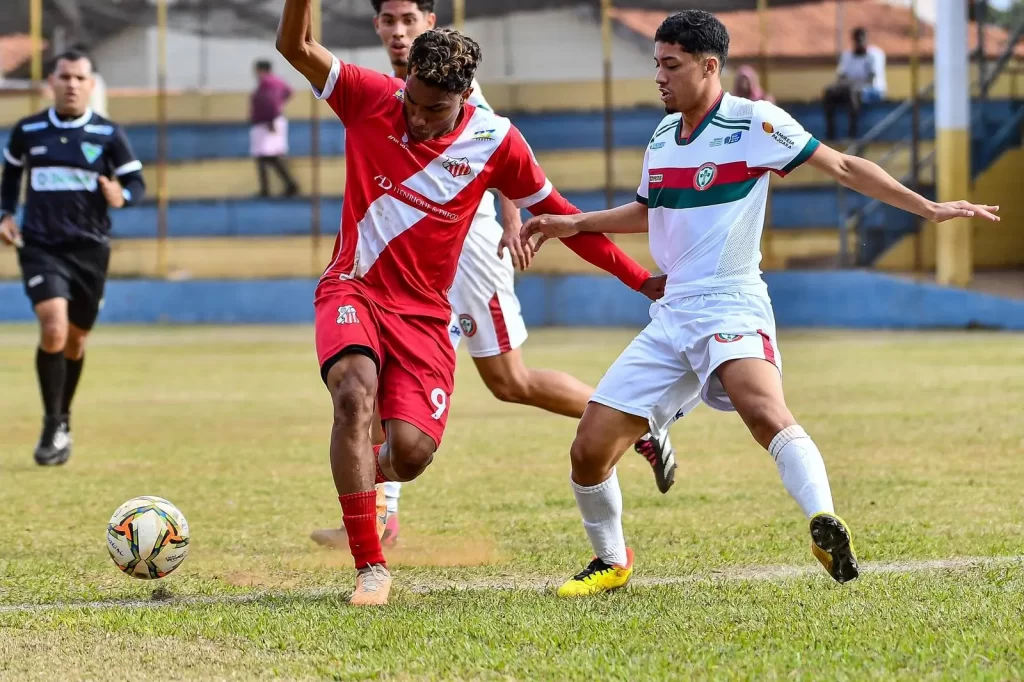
{"points": [[419, 159]]}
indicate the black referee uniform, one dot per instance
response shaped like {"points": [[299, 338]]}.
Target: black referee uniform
{"points": [[66, 225]]}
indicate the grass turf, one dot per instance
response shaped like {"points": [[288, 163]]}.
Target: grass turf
{"points": [[922, 434]]}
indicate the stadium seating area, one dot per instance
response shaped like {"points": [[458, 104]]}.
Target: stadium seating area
{"points": [[218, 228]]}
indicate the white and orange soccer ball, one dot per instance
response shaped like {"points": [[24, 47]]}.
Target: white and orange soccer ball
{"points": [[147, 537]]}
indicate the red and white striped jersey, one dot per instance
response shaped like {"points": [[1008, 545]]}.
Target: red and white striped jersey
{"points": [[409, 205]]}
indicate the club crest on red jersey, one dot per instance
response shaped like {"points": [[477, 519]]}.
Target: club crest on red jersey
{"points": [[347, 315], [457, 167]]}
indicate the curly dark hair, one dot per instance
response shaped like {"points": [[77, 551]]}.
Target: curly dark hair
{"points": [[697, 32], [445, 58], [425, 6]]}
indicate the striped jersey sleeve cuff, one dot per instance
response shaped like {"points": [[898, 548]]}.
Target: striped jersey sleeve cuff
{"points": [[332, 80], [10, 158], [130, 167], [805, 153], [536, 197], [642, 200]]}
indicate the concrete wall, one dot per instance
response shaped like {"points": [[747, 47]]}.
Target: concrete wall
{"points": [[849, 299]]}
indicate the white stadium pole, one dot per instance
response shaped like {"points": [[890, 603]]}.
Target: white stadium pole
{"points": [[954, 252]]}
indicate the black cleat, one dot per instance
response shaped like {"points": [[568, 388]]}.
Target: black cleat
{"points": [[657, 450], [832, 545], [54, 446]]}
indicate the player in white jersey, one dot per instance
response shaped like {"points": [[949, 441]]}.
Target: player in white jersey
{"points": [[485, 308], [712, 337]]}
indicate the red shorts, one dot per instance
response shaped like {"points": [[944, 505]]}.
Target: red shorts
{"points": [[416, 361]]}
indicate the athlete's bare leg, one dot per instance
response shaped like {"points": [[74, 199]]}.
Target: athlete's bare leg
{"points": [[511, 381]]}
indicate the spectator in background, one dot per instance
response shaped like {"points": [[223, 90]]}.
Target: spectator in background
{"points": [[268, 136], [861, 80], [747, 84]]}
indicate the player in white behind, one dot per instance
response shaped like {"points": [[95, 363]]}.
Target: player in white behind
{"points": [[712, 337], [486, 311]]}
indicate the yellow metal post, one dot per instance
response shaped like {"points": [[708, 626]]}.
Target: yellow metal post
{"points": [[459, 14], [161, 127], [36, 32], [609, 104], [316, 228], [954, 248]]}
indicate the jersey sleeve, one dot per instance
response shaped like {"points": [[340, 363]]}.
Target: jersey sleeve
{"points": [[643, 192], [354, 92], [126, 168], [522, 180], [15, 151], [777, 142]]}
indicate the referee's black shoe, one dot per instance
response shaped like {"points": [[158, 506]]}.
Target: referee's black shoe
{"points": [[54, 446]]}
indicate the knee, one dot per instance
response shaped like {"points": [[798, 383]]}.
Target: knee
{"points": [[411, 455], [512, 386], [765, 418], [353, 398], [53, 335], [74, 348], [592, 458]]}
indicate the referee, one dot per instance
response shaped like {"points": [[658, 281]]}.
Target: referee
{"points": [[79, 165]]}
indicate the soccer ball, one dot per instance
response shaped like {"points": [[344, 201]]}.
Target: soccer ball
{"points": [[147, 537]]}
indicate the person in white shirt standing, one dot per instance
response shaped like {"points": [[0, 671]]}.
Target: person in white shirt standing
{"points": [[485, 308], [711, 339], [861, 80]]}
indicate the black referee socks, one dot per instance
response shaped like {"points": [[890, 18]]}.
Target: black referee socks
{"points": [[51, 370]]}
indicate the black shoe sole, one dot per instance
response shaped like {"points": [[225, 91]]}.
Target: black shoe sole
{"points": [[55, 460], [831, 537]]}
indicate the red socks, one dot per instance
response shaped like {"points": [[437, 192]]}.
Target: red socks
{"points": [[359, 514]]}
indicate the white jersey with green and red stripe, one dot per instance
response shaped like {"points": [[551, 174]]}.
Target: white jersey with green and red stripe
{"points": [[706, 193]]}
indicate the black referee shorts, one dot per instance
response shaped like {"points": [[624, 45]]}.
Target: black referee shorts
{"points": [[78, 274]]}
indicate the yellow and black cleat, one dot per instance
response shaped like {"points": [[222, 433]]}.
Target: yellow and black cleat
{"points": [[598, 577], [832, 545]]}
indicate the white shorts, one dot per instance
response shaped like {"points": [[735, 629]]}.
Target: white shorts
{"points": [[669, 368], [485, 309]]}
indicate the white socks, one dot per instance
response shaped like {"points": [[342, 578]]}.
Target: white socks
{"points": [[601, 508], [802, 470], [392, 491]]}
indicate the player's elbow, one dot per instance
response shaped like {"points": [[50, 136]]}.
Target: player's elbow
{"points": [[292, 48]]}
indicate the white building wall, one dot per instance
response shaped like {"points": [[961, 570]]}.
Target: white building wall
{"points": [[558, 45]]}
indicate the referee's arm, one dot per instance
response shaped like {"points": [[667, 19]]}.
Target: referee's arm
{"points": [[14, 162], [127, 169], [10, 185]]}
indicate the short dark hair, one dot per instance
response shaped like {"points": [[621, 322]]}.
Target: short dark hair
{"points": [[859, 32], [425, 6], [72, 55], [264, 65], [697, 32], [445, 58]]}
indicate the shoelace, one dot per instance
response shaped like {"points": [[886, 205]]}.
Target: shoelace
{"points": [[373, 576], [647, 451], [595, 566]]}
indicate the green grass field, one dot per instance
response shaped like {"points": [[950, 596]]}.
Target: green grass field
{"points": [[923, 435]]}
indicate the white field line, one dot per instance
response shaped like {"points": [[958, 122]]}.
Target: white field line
{"points": [[766, 573]]}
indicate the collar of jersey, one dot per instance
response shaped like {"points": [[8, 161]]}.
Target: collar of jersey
{"points": [[704, 122], [77, 123]]}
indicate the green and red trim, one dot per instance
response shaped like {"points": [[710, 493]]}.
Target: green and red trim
{"points": [[704, 123]]}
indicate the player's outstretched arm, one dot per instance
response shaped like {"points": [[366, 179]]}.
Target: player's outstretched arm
{"points": [[871, 180], [628, 219], [295, 43]]}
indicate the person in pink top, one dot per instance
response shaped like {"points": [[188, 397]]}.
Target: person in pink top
{"points": [[268, 136], [747, 84]]}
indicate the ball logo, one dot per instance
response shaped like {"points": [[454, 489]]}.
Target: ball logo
{"points": [[705, 176], [728, 338], [768, 127], [468, 325]]}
